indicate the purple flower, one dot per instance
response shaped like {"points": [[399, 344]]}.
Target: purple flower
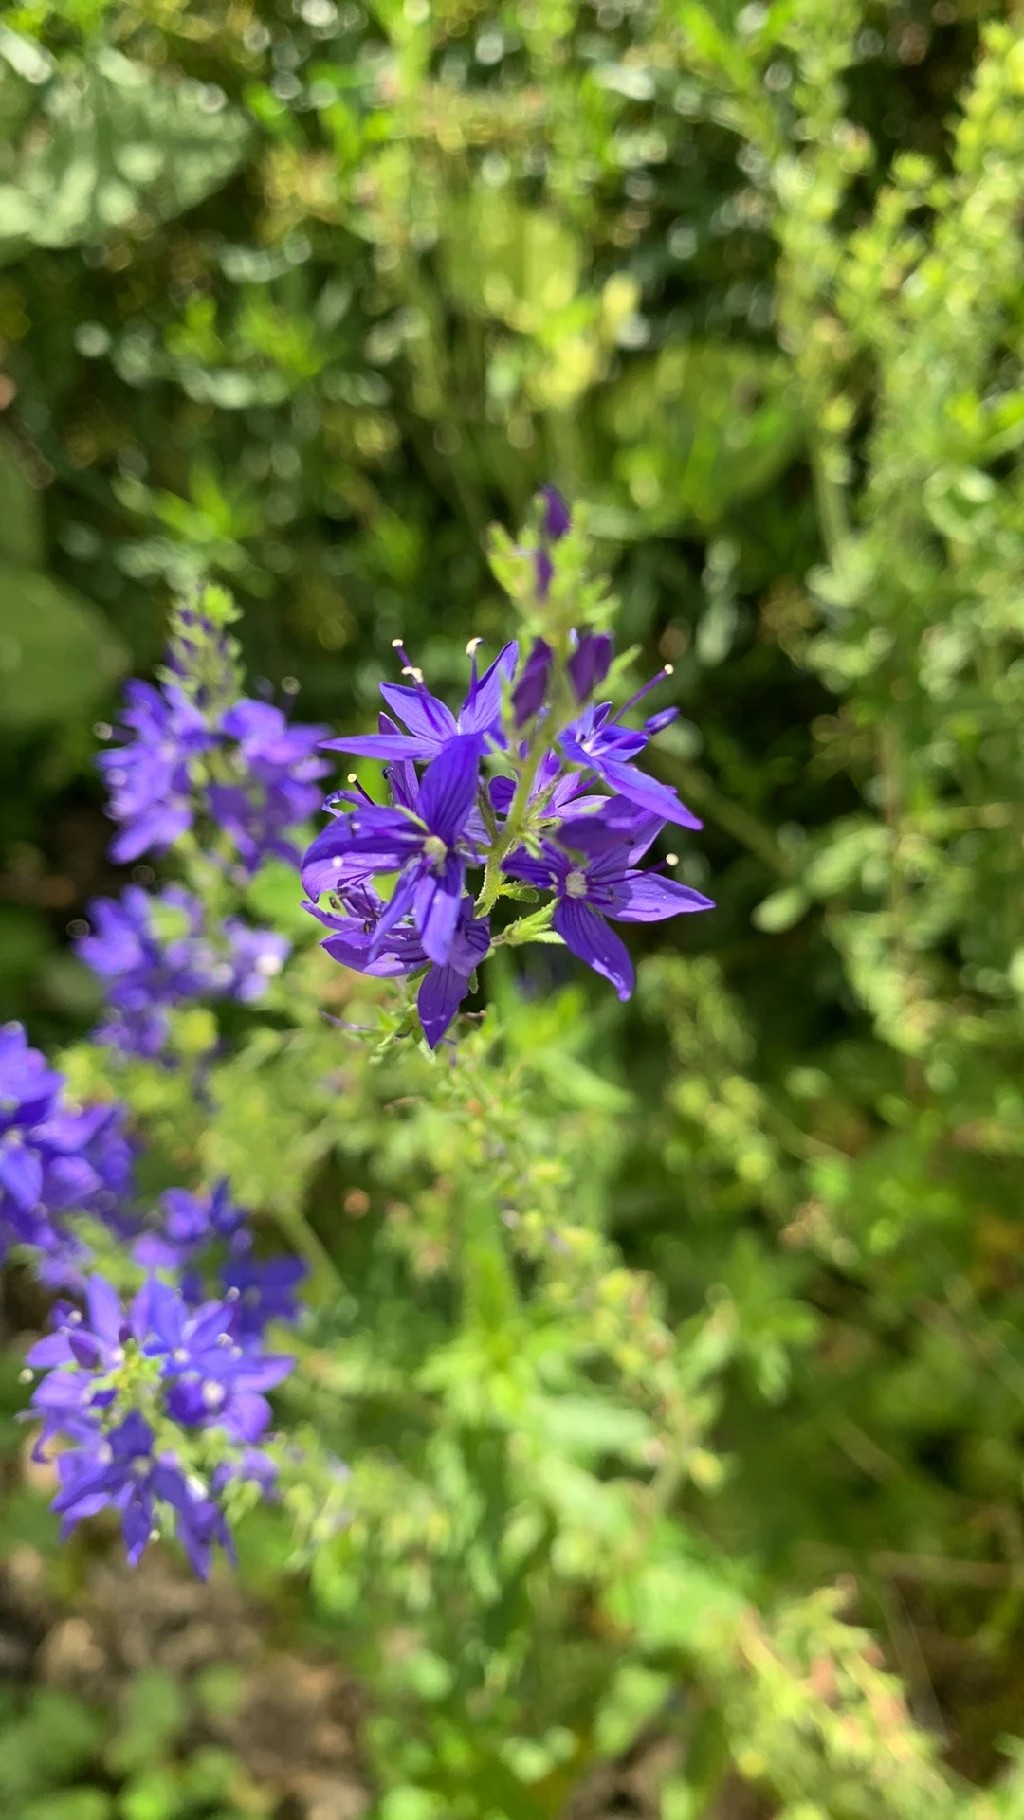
{"points": [[430, 725], [262, 1290], [557, 518], [594, 874], [590, 663], [599, 742], [277, 788], [54, 1158], [152, 953], [209, 1378], [28, 1092], [149, 775], [532, 687], [443, 987], [117, 1469], [422, 839], [554, 524], [158, 778], [123, 1375]]}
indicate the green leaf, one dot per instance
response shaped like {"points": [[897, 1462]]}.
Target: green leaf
{"points": [[781, 910], [696, 429], [114, 138], [71, 1804], [520, 265], [22, 543], [58, 656]]}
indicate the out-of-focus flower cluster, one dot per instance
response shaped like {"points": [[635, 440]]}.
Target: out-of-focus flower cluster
{"points": [[192, 753], [152, 1399], [531, 789]]}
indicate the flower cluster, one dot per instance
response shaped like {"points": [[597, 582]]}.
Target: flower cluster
{"points": [[157, 1407], [204, 1240], [54, 1157], [153, 951], [532, 785], [190, 748]]}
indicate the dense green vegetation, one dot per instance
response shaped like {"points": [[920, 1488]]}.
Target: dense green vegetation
{"points": [[303, 299]]}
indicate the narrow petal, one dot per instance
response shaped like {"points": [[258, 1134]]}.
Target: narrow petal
{"points": [[591, 940], [21, 1173], [649, 898], [439, 998], [383, 745], [589, 664], [541, 873], [436, 909], [401, 903], [105, 1312], [482, 707], [354, 952], [421, 712], [530, 690], [657, 799], [448, 790]]}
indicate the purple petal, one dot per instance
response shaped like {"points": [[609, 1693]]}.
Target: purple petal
{"points": [[421, 712], [651, 898], [589, 664], [21, 1173], [657, 799], [105, 1312], [436, 908], [482, 707], [530, 690], [383, 745], [400, 904], [449, 785], [557, 518], [591, 940], [439, 998]]}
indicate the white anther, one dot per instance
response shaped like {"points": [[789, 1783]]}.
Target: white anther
{"points": [[473, 646], [669, 669], [672, 859], [396, 644], [576, 884], [414, 671]]}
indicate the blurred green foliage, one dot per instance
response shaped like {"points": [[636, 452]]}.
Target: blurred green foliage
{"points": [[303, 298]]}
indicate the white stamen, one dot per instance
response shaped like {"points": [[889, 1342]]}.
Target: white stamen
{"points": [[396, 644], [576, 884], [413, 671], [473, 646], [672, 859], [352, 778], [668, 669], [214, 1394]]}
